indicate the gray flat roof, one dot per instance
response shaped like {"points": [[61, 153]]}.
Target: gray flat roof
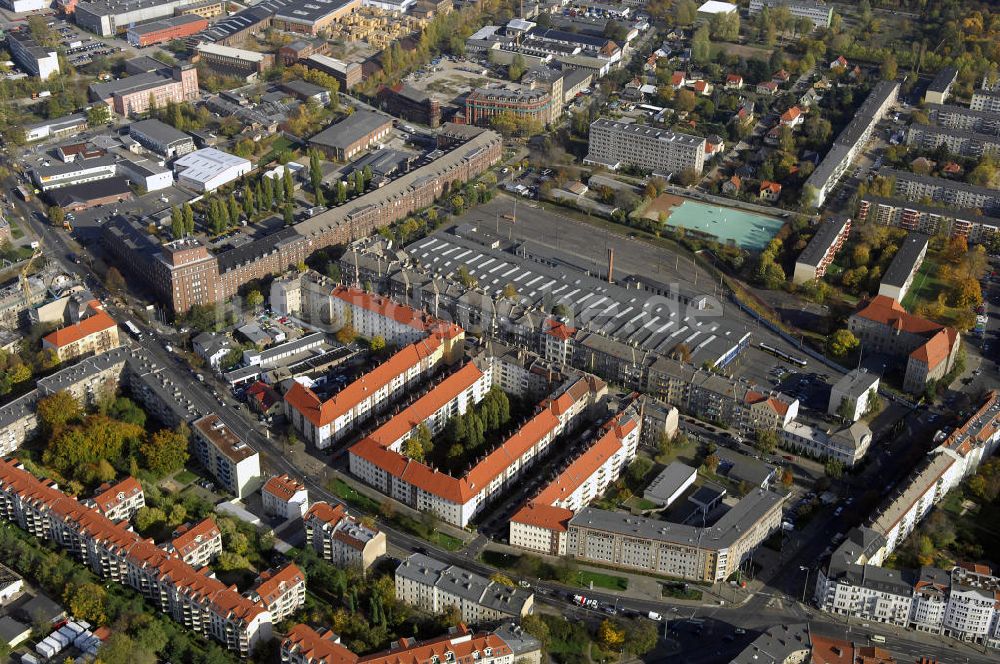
{"points": [[308, 11], [647, 131], [855, 383], [981, 137], [670, 479], [727, 530], [60, 168], [905, 260], [463, 583], [943, 79], [158, 131], [943, 183], [165, 23], [947, 212], [826, 234], [351, 129]]}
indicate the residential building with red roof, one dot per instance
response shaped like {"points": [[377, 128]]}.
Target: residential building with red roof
{"points": [[263, 399], [701, 87], [340, 538], [734, 82], [95, 334], [197, 544], [304, 645], [930, 349], [678, 80], [378, 459], [542, 523], [769, 191], [283, 592], [766, 411], [323, 422], [781, 76], [284, 497], [793, 117], [732, 185], [119, 501], [766, 88], [113, 551], [839, 63]]}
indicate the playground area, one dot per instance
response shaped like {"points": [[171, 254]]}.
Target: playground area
{"points": [[722, 224]]}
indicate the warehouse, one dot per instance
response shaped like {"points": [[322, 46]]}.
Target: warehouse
{"points": [[356, 132], [208, 169], [163, 30]]}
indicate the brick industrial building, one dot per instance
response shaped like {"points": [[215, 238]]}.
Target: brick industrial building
{"points": [[311, 18], [130, 96], [184, 273], [482, 104], [407, 102], [163, 30]]}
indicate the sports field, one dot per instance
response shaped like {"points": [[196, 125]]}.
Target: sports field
{"points": [[723, 224]]}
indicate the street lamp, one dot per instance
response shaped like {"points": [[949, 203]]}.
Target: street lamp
{"points": [[803, 568]]}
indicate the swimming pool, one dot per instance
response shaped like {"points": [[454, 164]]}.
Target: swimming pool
{"points": [[726, 225]]}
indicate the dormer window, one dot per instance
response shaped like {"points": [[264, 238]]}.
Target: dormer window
{"points": [[449, 656]]}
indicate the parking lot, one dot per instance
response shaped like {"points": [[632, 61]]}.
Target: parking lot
{"points": [[446, 79]]}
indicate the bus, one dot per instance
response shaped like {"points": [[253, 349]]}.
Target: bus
{"points": [[791, 359], [132, 329]]}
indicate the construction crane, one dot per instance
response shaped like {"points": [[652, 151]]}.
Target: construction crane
{"points": [[25, 286]]}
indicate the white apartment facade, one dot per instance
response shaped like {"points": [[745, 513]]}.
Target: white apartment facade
{"points": [[197, 544], [616, 144], [233, 462], [120, 501], [284, 497], [986, 101], [341, 539]]}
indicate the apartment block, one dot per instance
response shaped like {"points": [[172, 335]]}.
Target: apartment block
{"points": [[940, 87], [654, 546], [112, 551], [120, 501], [928, 219], [960, 117], [342, 539], [822, 249], [432, 586], [816, 11], [929, 349], [851, 141], [915, 187], [130, 96], [197, 544], [284, 497], [95, 334], [903, 269], [282, 592], [229, 459], [986, 101], [856, 387], [618, 144], [960, 142], [31, 56]]}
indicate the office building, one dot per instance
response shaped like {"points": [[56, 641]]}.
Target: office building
{"points": [[960, 142], [32, 56], [940, 87], [986, 101], [929, 219], [535, 107], [284, 497], [95, 334], [341, 538], [311, 18], [856, 387], [130, 96], [883, 326], [816, 11], [208, 169], [432, 586], [59, 174], [225, 455], [914, 187], [903, 269], [161, 138], [619, 144], [355, 133], [826, 242], [165, 30], [851, 141]]}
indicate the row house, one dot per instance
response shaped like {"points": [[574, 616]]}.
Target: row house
{"points": [[197, 544], [119, 502]]}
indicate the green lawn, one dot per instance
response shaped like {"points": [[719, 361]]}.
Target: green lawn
{"points": [[926, 285], [601, 580], [501, 560], [342, 490], [185, 477], [678, 592], [639, 503], [446, 541]]}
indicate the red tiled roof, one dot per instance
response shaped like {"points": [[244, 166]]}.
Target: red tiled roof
{"points": [[275, 584], [400, 313], [791, 114], [326, 512], [677, 78], [283, 487], [734, 78], [108, 500], [95, 324], [263, 394], [190, 538], [885, 310], [321, 413], [773, 187], [770, 85], [316, 647], [937, 349], [827, 650], [461, 643], [544, 516], [558, 329]]}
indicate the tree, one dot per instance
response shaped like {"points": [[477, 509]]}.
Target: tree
{"points": [[966, 292], [701, 45], [766, 440], [638, 469], [98, 114], [610, 635], [289, 185], [834, 468], [711, 462], [88, 601], [114, 281], [517, 68], [165, 452], [641, 637], [346, 334], [255, 299], [845, 410], [685, 101], [147, 518], [842, 342], [56, 215], [56, 411], [686, 12], [787, 478], [176, 222], [510, 292], [288, 214], [889, 68], [377, 344]]}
